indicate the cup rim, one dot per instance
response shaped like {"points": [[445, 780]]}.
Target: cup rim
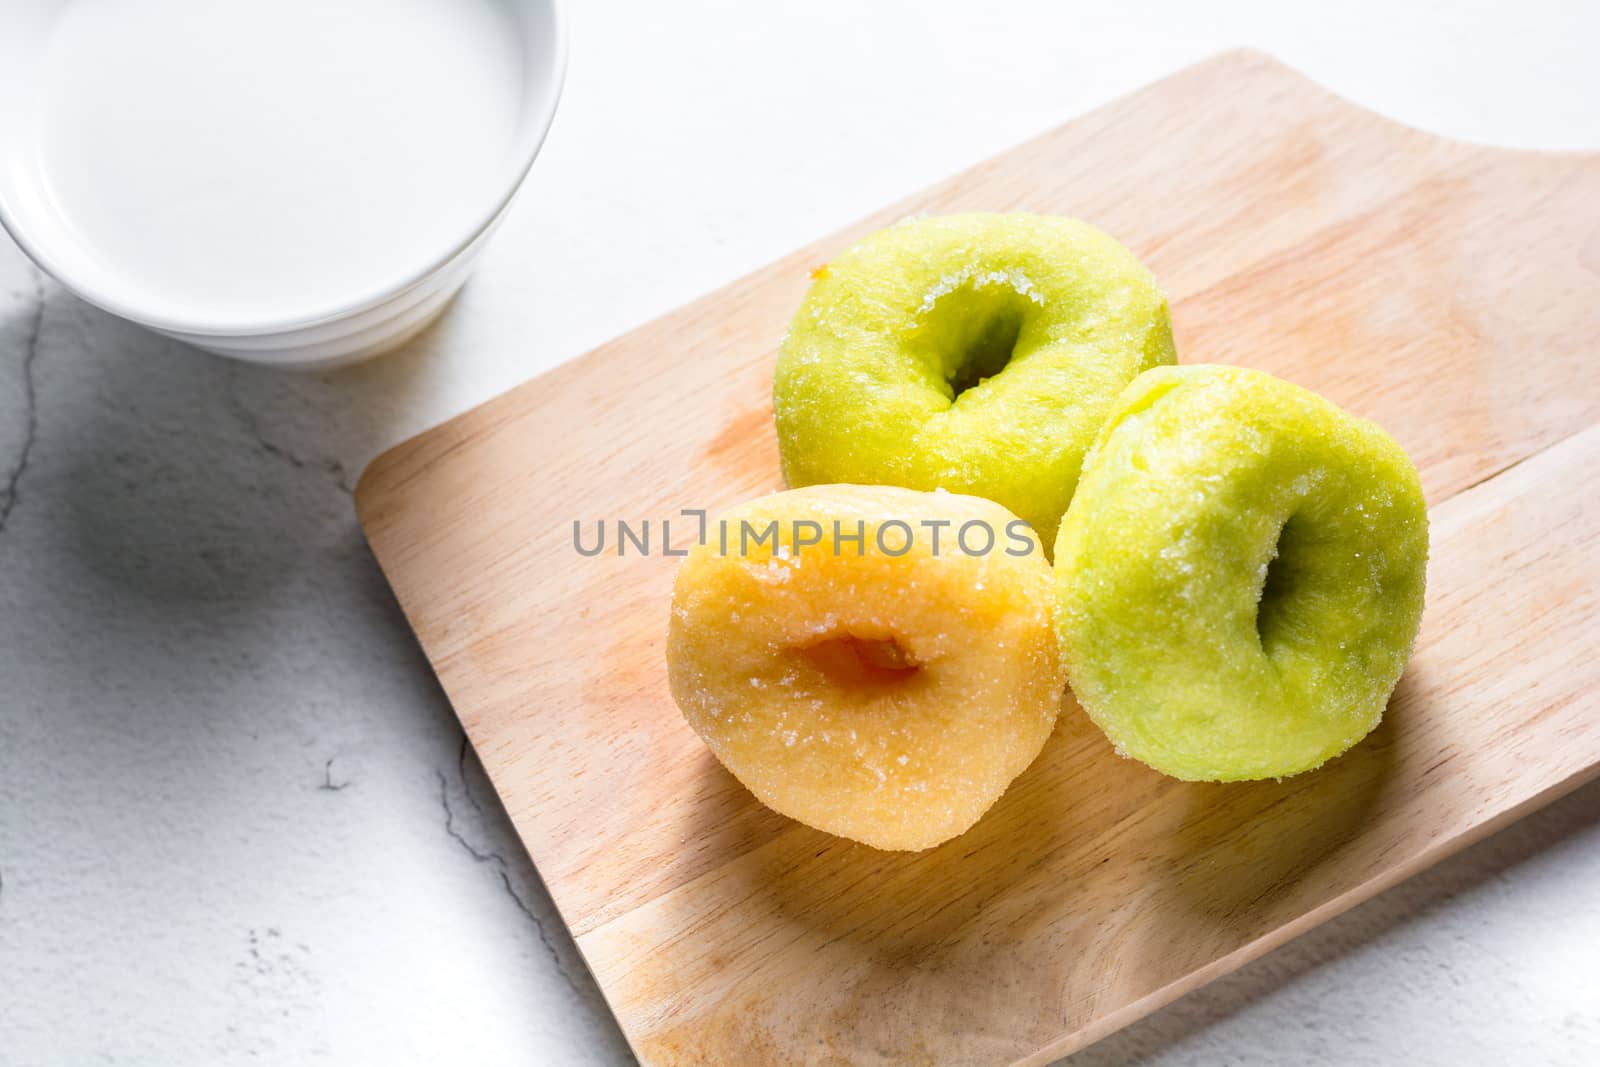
{"points": [[537, 128]]}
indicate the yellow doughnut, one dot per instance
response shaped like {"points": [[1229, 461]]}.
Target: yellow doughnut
{"points": [[886, 689]]}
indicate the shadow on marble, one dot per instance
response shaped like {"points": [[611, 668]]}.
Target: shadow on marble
{"points": [[193, 478], [202, 623]]}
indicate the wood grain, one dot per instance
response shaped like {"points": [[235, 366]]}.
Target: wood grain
{"points": [[1443, 289]]}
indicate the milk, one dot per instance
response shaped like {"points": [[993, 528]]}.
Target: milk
{"points": [[248, 160]]}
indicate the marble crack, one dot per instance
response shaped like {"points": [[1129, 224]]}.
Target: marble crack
{"points": [[499, 863], [328, 784], [461, 772], [252, 425], [450, 823], [30, 394]]}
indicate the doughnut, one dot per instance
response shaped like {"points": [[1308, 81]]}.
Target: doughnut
{"points": [[1240, 576], [973, 353], [885, 689]]}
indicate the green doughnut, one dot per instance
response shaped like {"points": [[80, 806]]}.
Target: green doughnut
{"points": [[973, 353], [1240, 577]]}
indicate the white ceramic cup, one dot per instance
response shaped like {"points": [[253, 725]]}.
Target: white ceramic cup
{"points": [[382, 300]]}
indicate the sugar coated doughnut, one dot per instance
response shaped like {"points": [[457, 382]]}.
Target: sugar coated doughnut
{"points": [[869, 668], [974, 353], [1240, 576]]}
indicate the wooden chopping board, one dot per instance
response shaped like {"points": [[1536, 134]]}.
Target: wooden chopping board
{"points": [[1446, 290]]}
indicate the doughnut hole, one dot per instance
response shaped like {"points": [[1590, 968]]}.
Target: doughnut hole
{"points": [[1280, 580], [889, 698], [970, 334], [849, 661]]}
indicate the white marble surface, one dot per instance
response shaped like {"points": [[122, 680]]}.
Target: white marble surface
{"points": [[237, 823]]}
